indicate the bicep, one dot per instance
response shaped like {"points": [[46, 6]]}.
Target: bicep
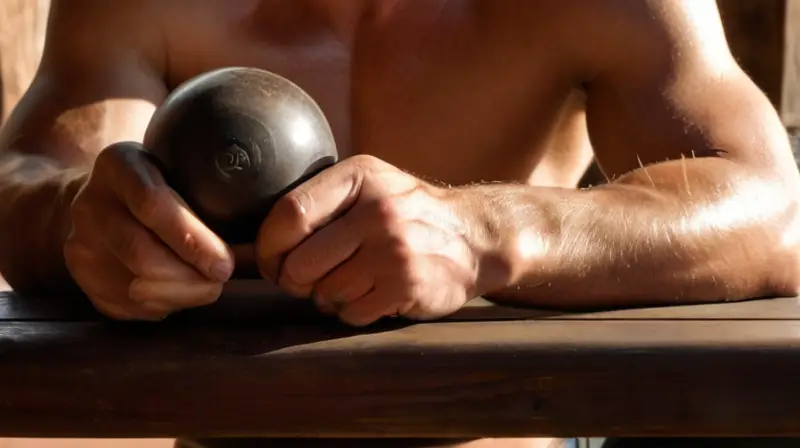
{"points": [[674, 91], [93, 88]]}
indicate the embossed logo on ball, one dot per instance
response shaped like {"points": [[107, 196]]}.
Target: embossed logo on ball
{"points": [[233, 161]]}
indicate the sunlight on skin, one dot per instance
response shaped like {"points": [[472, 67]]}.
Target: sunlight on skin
{"points": [[791, 238], [703, 14], [531, 245], [728, 213]]}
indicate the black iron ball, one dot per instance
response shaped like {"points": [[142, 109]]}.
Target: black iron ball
{"points": [[232, 141]]}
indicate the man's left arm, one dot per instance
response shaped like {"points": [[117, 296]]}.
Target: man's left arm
{"points": [[702, 205]]}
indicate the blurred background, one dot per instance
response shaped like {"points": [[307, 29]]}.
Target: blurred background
{"points": [[764, 36]]}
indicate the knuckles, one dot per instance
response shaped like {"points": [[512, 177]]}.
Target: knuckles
{"points": [[139, 292], [293, 270], [118, 156], [74, 251], [147, 193], [292, 209], [81, 211], [366, 162], [152, 203], [386, 211], [397, 249], [108, 159], [135, 249]]}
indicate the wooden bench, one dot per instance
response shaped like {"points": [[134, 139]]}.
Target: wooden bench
{"points": [[259, 364]]}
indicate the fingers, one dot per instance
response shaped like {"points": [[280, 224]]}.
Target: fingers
{"points": [[368, 309], [140, 251], [347, 283], [175, 295], [135, 248], [321, 253], [108, 288], [117, 293], [139, 184], [303, 210]]}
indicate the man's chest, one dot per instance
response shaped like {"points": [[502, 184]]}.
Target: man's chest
{"points": [[448, 91]]}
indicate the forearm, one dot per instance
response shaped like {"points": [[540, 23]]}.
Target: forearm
{"points": [[35, 195], [684, 231]]}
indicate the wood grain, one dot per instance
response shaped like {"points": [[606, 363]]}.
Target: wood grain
{"points": [[246, 301], [285, 371], [468, 379]]}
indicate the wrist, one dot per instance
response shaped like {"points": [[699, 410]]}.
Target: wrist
{"points": [[35, 219], [70, 183], [492, 232]]}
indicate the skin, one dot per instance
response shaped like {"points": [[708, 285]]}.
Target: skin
{"points": [[464, 128]]}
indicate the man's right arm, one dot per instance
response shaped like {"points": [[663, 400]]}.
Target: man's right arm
{"points": [[99, 81]]}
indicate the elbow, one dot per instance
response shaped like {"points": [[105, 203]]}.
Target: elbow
{"points": [[781, 262], [756, 254], [784, 279], [762, 251]]}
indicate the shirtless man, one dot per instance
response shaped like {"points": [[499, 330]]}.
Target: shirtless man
{"points": [[464, 127]]}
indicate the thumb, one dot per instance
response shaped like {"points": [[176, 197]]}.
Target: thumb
{"points": [[140, 185]]}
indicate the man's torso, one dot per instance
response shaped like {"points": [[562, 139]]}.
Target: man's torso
{"points": [[453, 91]]}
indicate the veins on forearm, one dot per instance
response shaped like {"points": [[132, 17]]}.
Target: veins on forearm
{"points": [[18, 168], [700, 228]]}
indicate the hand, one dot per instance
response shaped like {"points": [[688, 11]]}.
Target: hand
{"points": [[367, 240], [134, 247]]}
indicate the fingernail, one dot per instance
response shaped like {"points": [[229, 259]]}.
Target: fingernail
{"points": [[221, 271], [323, 306]]}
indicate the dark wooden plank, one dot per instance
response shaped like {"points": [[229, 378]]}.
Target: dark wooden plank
{"points": [[785, 308], [522, 378], [259, 301]]}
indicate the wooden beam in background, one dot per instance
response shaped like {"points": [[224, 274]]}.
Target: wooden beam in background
{"points": [[755, 32], [790, 102], [764, 37]]}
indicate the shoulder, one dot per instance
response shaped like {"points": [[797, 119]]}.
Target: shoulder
{"points": [[85, 30], [646, 38], [100, 74]]}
